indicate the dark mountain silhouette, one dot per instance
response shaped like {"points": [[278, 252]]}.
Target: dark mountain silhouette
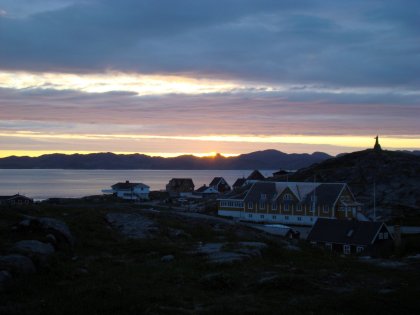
{"points": [[396, 176], [268, 159]]}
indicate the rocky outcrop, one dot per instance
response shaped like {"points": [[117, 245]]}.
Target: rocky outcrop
{"points": [[132, 225], [17, 264], [57, 228], [395, 176], [227, 253], [34, 248]]}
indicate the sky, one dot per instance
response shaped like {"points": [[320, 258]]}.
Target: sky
{"points": [[165, 77]]}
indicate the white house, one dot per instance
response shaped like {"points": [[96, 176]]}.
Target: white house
{"points": [[129, 191]]}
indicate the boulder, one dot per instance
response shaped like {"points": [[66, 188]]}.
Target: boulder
{"points": [[34, 247], [132, 225], [167, 258], [17, 264], [53, 226], [5, 278]]}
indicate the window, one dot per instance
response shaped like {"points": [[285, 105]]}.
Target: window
{"points": [[262, 205], [385, 235], [250, 205], [274, 206], [274, 217], [346, 249], [263, 196], [262, 216], [250, 215], [325, 209], [360, 249], [287, 197], [286, 207], [286, 217], [299, 218], [299, 207], [381, 236]]}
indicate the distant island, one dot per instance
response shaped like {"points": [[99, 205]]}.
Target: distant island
{"points": [[267, 159]]}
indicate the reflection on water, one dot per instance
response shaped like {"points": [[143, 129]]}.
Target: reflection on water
{"points": [[41, 184]]}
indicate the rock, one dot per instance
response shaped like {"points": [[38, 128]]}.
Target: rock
{"points": [[34, 247], [226, 257], [5, 278], [17, 264], [217, 280], [293, 248], [51, 238], [81, 272], [210, 248], [56, 227], [167, 258], [177, 233], [132, 225]]}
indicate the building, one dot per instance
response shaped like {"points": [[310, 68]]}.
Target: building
{"points": [[255, 176], [350, 236], [129, 191], [206, 192], [179, 187], [299, 203], [238, 183], [220, 184], [15, 200]]}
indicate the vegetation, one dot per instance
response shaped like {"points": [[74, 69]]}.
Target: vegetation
{"points": [[106, 273]]}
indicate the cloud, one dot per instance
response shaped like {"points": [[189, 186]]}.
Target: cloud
{"points": [[210, 114], [301, 42]]}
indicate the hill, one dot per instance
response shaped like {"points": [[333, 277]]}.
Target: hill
{"points": [[268, 159], [396, 176]]}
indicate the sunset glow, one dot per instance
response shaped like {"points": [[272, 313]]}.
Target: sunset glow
{"points": [[93, 76]]}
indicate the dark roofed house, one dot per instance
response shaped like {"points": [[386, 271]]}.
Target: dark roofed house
{"points": [[180, 187], [220, 185], [15, 200], [350, 236], [255, 175], [239, 183]]}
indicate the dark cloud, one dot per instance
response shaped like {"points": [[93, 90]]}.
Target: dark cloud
{"points": [[362, 43], [257, 113]]}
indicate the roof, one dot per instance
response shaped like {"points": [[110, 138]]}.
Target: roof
{"points": [[181, 181], [262, 188], [345, 231], [237, 194], [255, 175], [239, 182], [326, 193], [128, 185], [206, 189], [215, 181]]}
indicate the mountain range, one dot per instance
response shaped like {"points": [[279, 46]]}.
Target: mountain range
{"points": [[267, 159]]}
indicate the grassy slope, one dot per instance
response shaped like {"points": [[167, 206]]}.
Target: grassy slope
{"points": [[128, 277]]}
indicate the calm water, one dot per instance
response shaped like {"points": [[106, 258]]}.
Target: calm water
{"points": [[41, 184]]}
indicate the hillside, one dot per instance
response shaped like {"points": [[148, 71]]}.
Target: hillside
{"points": [[396, 176], [268, 159]]}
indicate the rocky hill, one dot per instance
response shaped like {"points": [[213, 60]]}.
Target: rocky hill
{"points": [[268, 159], [396, 176]]}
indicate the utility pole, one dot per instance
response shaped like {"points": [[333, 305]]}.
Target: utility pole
{"points": [[374, 200]]}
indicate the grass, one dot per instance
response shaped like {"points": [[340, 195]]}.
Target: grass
{"points": [[128, 277]]}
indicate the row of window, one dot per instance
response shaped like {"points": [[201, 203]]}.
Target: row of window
{"points": [[273, 217], [232, 204], [346, 248], [286, 207]]}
